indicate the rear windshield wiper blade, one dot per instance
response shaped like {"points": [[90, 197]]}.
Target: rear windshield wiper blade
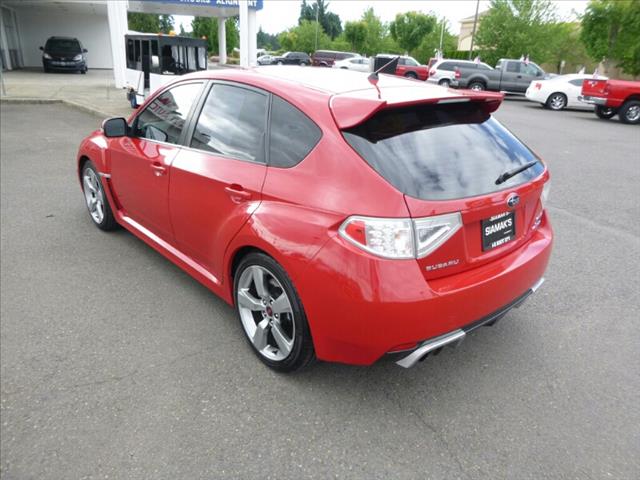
{"points": [[512, 173]]}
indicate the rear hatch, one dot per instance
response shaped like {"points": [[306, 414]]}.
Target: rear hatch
{"points": [[446, 158], [593, 87]]}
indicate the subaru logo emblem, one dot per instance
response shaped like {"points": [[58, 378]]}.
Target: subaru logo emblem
{"points": [[513, 200]]}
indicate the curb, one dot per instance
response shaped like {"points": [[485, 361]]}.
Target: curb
{"points": [[37, 101]]}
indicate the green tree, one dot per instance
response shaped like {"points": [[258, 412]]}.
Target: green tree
{"points": [[267, 41], [512, 28], [319, 10], [611, 30], [143, 22], [431, 42], [303, 38], [166, 23], [409, 29], [355, 33], [208, 27]]}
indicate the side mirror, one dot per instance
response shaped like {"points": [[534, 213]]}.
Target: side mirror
{"points": [[115, 127], [41, 48], [538, 73], [84, 50]]}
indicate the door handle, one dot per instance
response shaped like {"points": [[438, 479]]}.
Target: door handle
{"points": [[237, 193], [519, 76], [158, 169]]}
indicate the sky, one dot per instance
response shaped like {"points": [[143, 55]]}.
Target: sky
{"points": [[279, 15]]}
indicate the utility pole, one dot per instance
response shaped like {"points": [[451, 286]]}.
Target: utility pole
{"points": [[442, 33], [473, 33], [317, 9]]}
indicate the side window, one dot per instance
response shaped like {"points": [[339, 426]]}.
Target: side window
{"points": [[232, 123], [448, 66], [531, 70], [513, 67], [293, 134], [577, 82], [402, 61], [163, 119]]}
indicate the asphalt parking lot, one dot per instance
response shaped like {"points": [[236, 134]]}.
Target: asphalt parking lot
{"points": [[116, 364]]}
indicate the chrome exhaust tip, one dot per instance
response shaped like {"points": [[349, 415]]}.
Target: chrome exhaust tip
{"points": [[451, 338]]}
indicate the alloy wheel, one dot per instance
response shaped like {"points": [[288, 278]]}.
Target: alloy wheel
{"points": [[633, 113], [557, 102], [266, 313], [94, 195]]}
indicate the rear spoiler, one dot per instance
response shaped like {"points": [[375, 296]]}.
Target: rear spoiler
{"points": [[352, 108]]}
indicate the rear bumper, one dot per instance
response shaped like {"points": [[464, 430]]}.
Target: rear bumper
{"points": [[453, 338], [592, 100], [360, 307]]}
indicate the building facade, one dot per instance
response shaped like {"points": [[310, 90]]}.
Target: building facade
{"points": [[25, 26]]}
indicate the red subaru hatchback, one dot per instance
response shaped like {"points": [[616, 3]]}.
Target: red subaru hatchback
{"points": [[344, 219]]}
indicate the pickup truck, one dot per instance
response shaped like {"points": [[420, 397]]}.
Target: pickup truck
{"points": [[612, 97], [406, 67], [513, 76]]}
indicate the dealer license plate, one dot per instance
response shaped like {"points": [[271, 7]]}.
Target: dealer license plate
{"points": [[498, 230]]}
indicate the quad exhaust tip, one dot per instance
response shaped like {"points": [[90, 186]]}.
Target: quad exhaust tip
{"points": [[453, 339]]}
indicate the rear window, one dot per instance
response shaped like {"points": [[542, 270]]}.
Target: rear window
{"points": [[441, 152], [446, 66]]}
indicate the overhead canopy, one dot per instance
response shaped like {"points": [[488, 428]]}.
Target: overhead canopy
{"points": [[196, 8]]}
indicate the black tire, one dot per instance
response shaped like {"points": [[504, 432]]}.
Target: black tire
{"points": [[630, 112], [477, 85], [605, 112], [556, 101], [83, 72], [445, 82], [411, 75], [280, 63], [108, 222], [302, 352]]}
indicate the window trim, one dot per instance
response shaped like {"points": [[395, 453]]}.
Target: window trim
{"points": [[195, 115], [188, 117]]}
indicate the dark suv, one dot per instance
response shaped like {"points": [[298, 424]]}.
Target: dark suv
{"points": [[292, 58], [64, 53], [326, 58]]}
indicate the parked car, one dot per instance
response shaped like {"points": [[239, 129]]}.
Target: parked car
{"points": [[512, 76], [64, 54], [326, 58], [253, 194], [445, 72], [407, 67], [359, 64], [612, 97], [292, 58], [265, 59], [559, 92]]}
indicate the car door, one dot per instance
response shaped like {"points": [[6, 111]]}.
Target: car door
{"points": [[140, 162], [528, 73], [216, 181], [510, 76], [573, 90], [401, 69]]}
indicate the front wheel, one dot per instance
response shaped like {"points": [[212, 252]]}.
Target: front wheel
{"points": [[605, 112], [445, 82], [630, 112], [271, 314], [280, 63], [411, 75], [96, 200]]}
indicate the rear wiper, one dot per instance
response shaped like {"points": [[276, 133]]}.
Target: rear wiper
{"points": [[512, 173]]}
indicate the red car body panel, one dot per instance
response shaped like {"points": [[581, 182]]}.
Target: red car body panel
{"points": [[422, 71], [610, 93], [359, 306]]}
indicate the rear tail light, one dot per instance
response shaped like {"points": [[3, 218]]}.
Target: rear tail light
{"points": [[457, 73], [400, 238], [545, 194]]}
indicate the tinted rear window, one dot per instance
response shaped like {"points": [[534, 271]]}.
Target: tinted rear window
{"points": [[442, 152]]}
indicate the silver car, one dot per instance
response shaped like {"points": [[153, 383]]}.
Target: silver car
{"points": [[443, 72]]}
